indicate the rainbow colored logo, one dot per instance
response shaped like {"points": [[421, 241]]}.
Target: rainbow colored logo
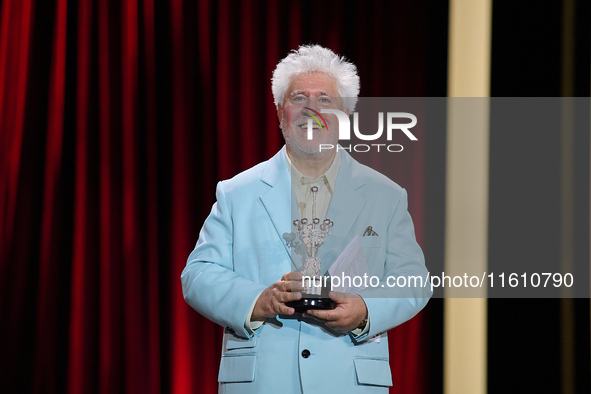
{"points": [[315, 118]]}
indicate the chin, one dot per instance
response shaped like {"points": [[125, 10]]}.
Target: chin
{"points": [[308, 147], [298, 140]]}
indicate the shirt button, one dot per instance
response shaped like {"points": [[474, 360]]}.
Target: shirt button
{"points": [[305, 353]]}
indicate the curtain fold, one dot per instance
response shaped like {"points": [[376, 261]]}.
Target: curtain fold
{"points": [[117, 119]]}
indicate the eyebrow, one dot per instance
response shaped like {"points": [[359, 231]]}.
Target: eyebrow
{"points": [[321, 93]]}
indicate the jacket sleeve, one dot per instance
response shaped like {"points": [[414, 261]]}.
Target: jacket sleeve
{"points": [[389, 306], [210, 285]]}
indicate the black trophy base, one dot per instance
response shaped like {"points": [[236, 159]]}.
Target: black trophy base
{"points": [[305, 303]]}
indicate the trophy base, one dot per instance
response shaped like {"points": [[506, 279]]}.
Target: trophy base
{"points": [[305, 303]]}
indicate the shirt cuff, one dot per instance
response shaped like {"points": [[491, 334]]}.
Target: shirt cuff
{"points": [[358, 332], [251, 325]]}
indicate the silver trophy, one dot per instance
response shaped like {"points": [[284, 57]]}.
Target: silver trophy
{"points": [[312, 234]]}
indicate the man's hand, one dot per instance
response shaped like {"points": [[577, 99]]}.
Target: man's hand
{"points": [[350, 311], [272, 300]]}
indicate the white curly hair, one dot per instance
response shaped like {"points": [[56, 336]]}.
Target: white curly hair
{"points": [[314, 58]]}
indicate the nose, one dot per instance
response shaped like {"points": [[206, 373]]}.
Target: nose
{"points": [[312, 113], [314, 103]]}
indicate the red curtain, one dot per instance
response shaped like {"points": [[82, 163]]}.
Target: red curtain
{"points": [[117, 118]]}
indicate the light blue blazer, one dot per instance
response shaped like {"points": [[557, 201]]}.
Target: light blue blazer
{"points": [[242, 249]]}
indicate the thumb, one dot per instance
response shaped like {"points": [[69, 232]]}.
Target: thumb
{"points": [[337, 296]]}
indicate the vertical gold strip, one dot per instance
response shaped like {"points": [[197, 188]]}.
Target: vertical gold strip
{"points": [[568, 49], [567, 184], [466, 233]]}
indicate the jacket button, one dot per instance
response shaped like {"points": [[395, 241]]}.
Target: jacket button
{"points": [[305, 353]]}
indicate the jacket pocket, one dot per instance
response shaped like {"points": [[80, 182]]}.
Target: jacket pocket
{"points": [[373, 371], [234, 342], [370, 242], [237, 369]]}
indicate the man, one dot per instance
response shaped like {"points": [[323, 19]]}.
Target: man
{"points": [[242, 271]]}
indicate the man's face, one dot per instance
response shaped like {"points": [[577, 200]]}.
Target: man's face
{"points": [[307, 95]]}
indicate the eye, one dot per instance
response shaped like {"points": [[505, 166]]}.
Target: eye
{"points": [[298, 99], [325, 100]]}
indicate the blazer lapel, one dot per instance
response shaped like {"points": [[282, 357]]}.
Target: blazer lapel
{"points": [[279, 201]]}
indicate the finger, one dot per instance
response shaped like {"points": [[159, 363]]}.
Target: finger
{"points": [[286, 296], [283, 309], [291, 296], [342, 297], [297, 285], [336, 296], [283, 286], [294, 275], [322, 315], [290, 286]]}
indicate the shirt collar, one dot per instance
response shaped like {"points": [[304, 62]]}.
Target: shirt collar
{"points": [[330, 176]]}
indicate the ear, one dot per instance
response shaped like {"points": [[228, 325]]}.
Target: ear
{"points": [[279, 112]]}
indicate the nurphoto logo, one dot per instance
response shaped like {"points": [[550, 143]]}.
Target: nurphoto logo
{"points": [[345, 129]]}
